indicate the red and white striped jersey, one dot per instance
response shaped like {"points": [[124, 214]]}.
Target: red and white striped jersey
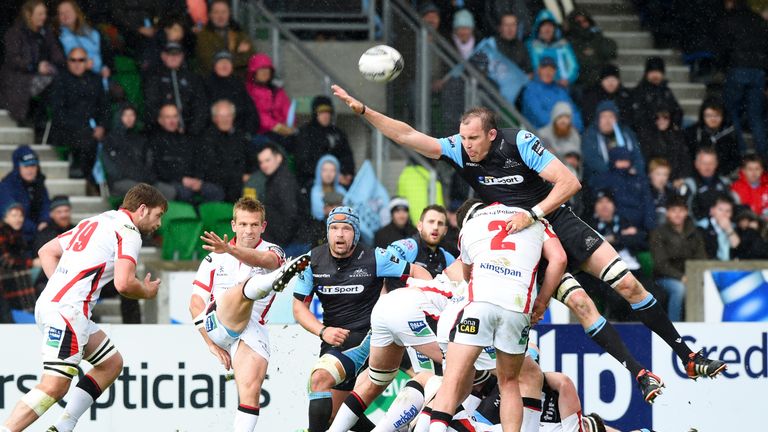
{"points": [[220, 272], [431, 296], [90, 251], [503, 265]]}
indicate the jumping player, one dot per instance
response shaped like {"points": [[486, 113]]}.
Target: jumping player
{"points": [[231, 321], [78, 264], [347, 277], [511, 166]]}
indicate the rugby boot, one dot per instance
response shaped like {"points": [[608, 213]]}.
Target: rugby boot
{"points": [[700, 366], [593, 423], [52, 429], [291, 268], [650, 384]]}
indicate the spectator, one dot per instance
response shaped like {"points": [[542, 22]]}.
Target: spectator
{"points": [[666, 141], [749, 228], [32, 58], [451, 240], [135, 19], [400, 226], [326, 180], [271, 101], [752, 185], [223, 34], [222, 84], [318, 137], [125, 154], [559, 135], [61, 222], [541, 95], [629, 189], [173, 29], [280, 197], [720, 236], [704, 185], [79, 110], [662, 190], [652, 91], [75, 32], [593, 49], [672, 244], [510, 43], [547, 41], [173, 83], [224, 151], [15, 261], [25, 185], [175, 162], [711, 131], [743, 54], [463, 36], [608, 88], [603, 135], [496, 10]]}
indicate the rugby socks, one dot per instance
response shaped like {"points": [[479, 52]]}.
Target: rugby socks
{"points": [[422, 421], [404, 408], [80, 400], [320, 410], [650, 313], [364, 424], [605, 335], [259, 286], [572, 423], [439, 421], [246, 418], [531, 415], [352, 409]]}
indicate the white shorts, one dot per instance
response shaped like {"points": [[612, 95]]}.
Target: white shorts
{"points": [[420, 362], [255, 336], [485, 324], [65, 333], [487, 358], [398, 323]]}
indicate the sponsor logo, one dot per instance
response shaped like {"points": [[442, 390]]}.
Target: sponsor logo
{"points": [[209, 258], [210, 323], [54, 337], [398, 248], [472, 164], [509, 163], [340, 289], [394, 259], [361, 272], [277, 250], [406, 417], [508, 180], [537, 147], [590, 241], [130, 227], [424, 361], [524, 336], [501, 266], [491, 351], [528, 135], [469, 326], [452, 141], [419, 328]]}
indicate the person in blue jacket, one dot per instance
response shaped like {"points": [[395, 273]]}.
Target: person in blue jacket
{"points": [[541, 95], [327, 173], [547, 41], [26, 185]]}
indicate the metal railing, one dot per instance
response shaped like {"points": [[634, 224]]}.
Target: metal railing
{"points": [[307, 16]]}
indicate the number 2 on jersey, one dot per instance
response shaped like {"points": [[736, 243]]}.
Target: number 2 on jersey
{"points": [[497, 242], [82, 236]]}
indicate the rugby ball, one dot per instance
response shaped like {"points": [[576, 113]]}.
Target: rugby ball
{"points": [[381, 63]]}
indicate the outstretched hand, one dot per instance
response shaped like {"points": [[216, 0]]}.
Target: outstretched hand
{"points": [[355, 105], [214, 243], [151, 286]]}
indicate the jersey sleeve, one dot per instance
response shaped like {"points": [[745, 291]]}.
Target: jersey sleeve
{"points": [[405, 249], [450, 147], [532, 151], [203, 283], [547, 232], [128, 244], [278, 251], [388, 265], [304, 284], [449, 258]]}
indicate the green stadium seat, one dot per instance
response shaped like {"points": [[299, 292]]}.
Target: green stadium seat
{"points": [[216, 214], [177, 210], [127, 75], [646, 263], [180, 239]]}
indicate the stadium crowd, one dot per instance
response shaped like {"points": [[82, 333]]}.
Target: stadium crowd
{"points": [[158, 92]]}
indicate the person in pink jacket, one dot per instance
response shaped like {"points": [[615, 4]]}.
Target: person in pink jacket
{"points": [[271, 101]]}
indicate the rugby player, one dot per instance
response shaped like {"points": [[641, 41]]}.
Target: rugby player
{"points": [[347, 277], [232, 321], [512, 167], [78, 264]]}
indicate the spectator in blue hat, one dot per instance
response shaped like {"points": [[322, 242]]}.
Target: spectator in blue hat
{"points": [[25, 185], [541, 95], [547, 41], [606, 132]]}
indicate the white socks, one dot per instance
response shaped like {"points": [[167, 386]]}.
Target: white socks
{"points": [[246, 418], [78, 403], [404, 408], [259, 286]]}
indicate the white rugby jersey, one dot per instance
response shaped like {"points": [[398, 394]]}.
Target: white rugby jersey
{"points": [[219, 272], [503, 265], [432, 296], [90, 251]]}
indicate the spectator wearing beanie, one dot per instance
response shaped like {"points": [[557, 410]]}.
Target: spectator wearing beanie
{"points": [[223, 84], [463, 36], [25, 186], [399, 228], [559, 135], [593, 49], [713, 130], [652, 91], [667, 141], [609, 87], [541, 95], [606, 133], [547, 41]]}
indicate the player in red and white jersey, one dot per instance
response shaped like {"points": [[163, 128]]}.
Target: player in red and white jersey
{"points": [[232, 294], [78, 264], [501, 305]]}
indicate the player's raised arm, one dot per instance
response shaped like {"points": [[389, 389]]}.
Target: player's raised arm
{"points": [[554, 253], [397, 131], [270, 259]]}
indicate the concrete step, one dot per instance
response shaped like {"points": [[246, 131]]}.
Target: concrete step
{"points": [[44, 152], [690, 107], [6, 120], [688, 90], [616, 23], [607, 7], [634, 40], [88, 205], [53, 169], [632, 74], [16, 135], [632, 56], [69, 187]]}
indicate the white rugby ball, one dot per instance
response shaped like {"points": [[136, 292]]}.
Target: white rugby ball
{"points": [[381, 63]]}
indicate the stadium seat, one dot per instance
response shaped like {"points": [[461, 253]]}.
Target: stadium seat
{"points": [[177, 210], [646, 263], [180, 239], [127, 75], [216, 217]]}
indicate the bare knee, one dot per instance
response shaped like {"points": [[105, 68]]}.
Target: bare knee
{"points": [[631, 289], [55, 389], [113, 365], [321, 380], [583, 307], [531, 379]]}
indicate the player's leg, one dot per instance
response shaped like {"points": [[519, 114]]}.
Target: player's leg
{"points": [[568, 402], [606, 264], [507, 371], [107, 364], [457, 383], [250, 369], [259, 286], [531, 379], [37, 401]]}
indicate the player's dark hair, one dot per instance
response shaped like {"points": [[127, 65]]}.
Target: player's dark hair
{"points": [[677, 201], [436, 207], [486, 116], [461, 213], [752, 157], [145, 194], [249, 205]]}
